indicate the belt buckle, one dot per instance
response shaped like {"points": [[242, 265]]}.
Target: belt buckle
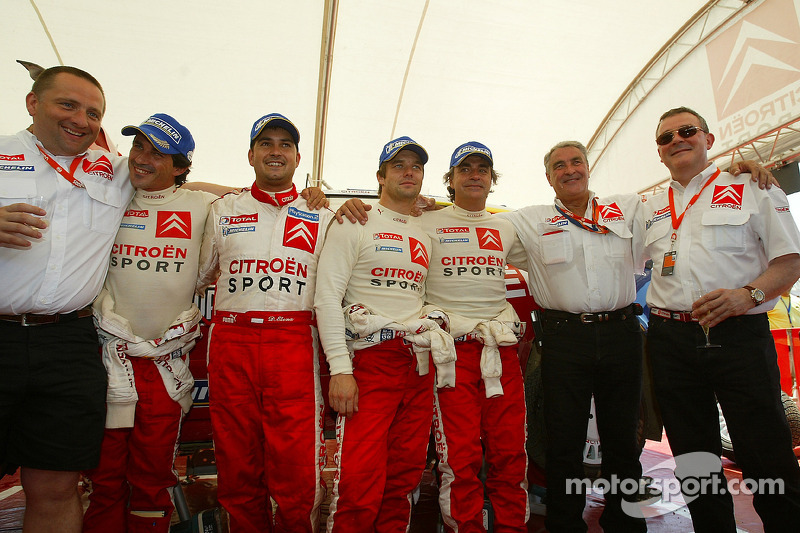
{"points": [[587, 318], [24, 321]]}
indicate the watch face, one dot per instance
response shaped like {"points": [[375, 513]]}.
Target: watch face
{"points": [[758, 296]]}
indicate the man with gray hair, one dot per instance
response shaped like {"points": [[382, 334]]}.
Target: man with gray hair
{"points": [[582, 274]]}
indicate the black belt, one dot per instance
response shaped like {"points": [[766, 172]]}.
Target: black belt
{"points": [[591, 318], [31, 319]]}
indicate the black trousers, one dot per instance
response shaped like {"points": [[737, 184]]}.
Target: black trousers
{"points": [[743, 376], [578, 361]]}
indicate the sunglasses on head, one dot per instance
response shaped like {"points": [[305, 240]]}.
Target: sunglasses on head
{"points": [[684, 131]]}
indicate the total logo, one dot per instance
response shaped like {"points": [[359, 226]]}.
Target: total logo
{"points": [[101, 168], [729, 196], [174, 225], [489, 239], [239, 219]]}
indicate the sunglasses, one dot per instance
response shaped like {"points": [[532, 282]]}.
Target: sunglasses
{"points": [[684, 131]]}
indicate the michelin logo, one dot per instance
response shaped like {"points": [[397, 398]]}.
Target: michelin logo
{"points": [[132, 226], [447, 241], [388, 249], [473, 150], [17, 168], [239, 229], [163, 126]]}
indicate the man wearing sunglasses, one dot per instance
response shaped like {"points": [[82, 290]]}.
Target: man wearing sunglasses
{"points": [[736, 246]]}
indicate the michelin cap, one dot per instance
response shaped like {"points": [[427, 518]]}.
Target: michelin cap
{"points": [[275, 120], [469, 148], [167, 134], [402, 143]]}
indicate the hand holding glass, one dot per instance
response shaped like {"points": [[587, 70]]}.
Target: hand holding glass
{"points": [[698, 293]]}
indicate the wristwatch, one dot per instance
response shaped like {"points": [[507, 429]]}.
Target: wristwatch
{"points": [[757, 295]]}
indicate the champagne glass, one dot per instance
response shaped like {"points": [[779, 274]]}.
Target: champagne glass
{"points": [[698, 293]]}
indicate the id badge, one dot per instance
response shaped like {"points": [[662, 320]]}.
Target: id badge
{"points": [[669, 263]]}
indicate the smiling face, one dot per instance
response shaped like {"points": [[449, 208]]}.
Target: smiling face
{"points": [[685, 158], [150, 169], [472, 182], [67, 115], [274, 157], [568, 174]]}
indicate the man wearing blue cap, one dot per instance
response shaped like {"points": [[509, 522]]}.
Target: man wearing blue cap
{"points": [[59, 212], [147, 323], [466, 280], [266, 401], [379, 350]]}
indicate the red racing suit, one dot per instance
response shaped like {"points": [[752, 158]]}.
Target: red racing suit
{"points": [[265, 398], [378, 270], [469, 251], [151, 280]]}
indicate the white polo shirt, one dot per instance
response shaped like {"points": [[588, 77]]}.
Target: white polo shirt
{"points": [[63, 270], [725, 241], [575, 270]]}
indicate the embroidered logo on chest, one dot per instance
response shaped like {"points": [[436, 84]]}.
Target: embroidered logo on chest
{"points": [[419, 254], [174, 225], [729, 196], [301, 230], [489, 239], [101, 168], [611, 212]]}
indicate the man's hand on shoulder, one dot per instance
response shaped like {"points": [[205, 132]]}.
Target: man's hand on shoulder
{"points": [[354, 210], [759, 174], [343, 394], [17, 220], [423, 204], [315, 198]]}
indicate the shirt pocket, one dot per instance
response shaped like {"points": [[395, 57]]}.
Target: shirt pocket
{"points": [[556, 245], [102, 208], [725, 231], [617, 243], [16, 190]]}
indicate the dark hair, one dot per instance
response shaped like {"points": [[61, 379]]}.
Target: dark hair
{"points": [[451, 192], [678, 111], [180, 161], [46, 80]]}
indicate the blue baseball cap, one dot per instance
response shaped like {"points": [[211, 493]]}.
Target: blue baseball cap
{"points": [[469, 148], [274, 120], [402, 143], [167, 134]]}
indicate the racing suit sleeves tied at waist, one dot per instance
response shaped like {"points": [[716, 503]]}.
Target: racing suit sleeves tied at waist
{"points": [[364, 329], [120, 343], [503, 330]]}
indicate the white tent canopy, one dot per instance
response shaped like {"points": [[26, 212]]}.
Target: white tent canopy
{"points": [[518, 75]]}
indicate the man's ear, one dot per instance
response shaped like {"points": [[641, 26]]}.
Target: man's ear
{"points": [[31, 101]]}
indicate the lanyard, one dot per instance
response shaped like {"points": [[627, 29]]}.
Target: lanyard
{"points": [[676, 220], [280, 199], [585, 223], [787, 305], [66, 174]]}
